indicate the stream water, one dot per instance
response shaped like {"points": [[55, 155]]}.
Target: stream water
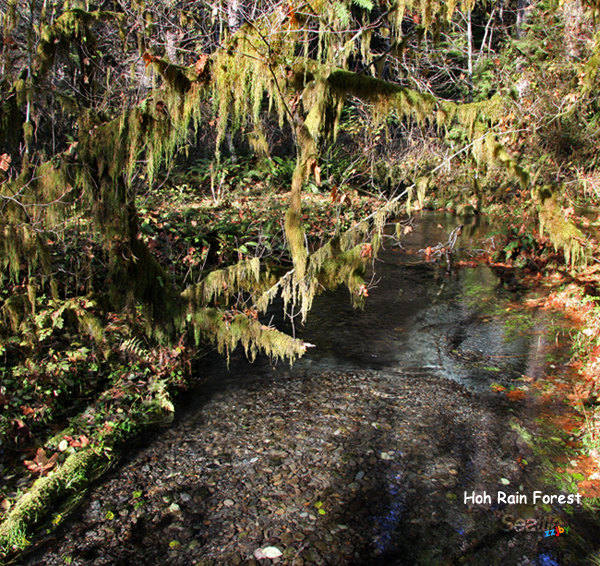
{"points": [[386, 444]]}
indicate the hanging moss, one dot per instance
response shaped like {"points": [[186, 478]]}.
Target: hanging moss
{"points": [[563, 234], [342, 260], [227, 330], [176, 76], [71, 25], [366, 88], [244, 275], [11, 123], [308, 93]]}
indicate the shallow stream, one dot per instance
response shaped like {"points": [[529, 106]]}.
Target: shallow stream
{"points": [[387, 444]]}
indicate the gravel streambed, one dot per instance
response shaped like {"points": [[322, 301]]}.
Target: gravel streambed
{"points": [[336, 469]]}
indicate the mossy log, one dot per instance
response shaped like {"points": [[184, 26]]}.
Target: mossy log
{"points": [[68, 480], [78, 470]]}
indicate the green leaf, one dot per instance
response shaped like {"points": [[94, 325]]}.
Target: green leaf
{"points": [[366, 4], [504, 481]]}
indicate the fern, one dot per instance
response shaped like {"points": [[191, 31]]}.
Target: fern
{"points": [[134, 347]]}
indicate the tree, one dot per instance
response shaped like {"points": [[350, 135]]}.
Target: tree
{"points": [[301, 62], [99, 99]]}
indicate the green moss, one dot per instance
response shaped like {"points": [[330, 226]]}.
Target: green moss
{"points": [[563, 234], [74, 474], [71, 25], [227, 330], [244, 275]]}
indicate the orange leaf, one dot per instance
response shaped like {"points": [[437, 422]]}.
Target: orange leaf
{"points": [[589, 488], [27, 410], [5, 160], [200, 65], [291, 14], [148, 58], [516, 395], [362, 291], [81, 443], [251, 313], [41, 463]]}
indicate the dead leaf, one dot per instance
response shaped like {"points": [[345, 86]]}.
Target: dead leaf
{"points": [[5, 160], [334, 193], [27, 411], [41, 463], [81, 442], [366, 250], [148, 58], [589, 488], [516, 395], [200, 66]]}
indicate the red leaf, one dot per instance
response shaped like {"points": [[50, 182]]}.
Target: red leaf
{"points": [[334, 193], [27, 411], [516, 395]]}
